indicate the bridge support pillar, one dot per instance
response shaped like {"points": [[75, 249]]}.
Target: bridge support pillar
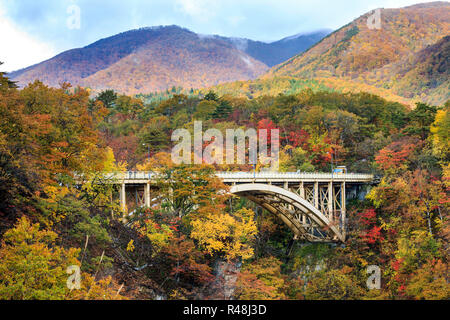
{"points": [[302, 190], [302, 194], [316, 194], [343, 209], [330, 200], [147, 195], [123, 198]]}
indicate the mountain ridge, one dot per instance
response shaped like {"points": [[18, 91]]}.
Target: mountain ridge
{"points": [[191, 60], [406, 59]]}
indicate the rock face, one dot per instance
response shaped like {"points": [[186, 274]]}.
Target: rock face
{"points": [[223, 286]]}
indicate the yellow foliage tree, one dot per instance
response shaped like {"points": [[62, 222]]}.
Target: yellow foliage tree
{"points": [[441, 133], [225, 234], [33, 267]]}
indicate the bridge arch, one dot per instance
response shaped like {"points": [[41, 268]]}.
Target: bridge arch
{"points": [[305, 220]]}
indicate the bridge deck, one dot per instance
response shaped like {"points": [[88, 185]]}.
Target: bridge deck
{"points": [[138, 177]]}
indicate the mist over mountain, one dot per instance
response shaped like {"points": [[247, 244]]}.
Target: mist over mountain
{"points": [[276, 52]]}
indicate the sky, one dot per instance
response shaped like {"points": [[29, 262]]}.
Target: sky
{"points": [[32, 31]]}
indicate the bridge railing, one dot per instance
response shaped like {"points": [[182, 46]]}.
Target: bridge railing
{"points": [[146, 175], [293, 175]]}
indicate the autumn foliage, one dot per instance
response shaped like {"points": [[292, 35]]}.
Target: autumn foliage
{"points": [[59, 207]]}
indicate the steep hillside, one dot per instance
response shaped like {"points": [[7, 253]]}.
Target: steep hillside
{"points": [[157, 58], [426, 74], [373, 56]]}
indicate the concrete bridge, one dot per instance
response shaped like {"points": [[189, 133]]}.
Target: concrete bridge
{"points": [[312, 205]]}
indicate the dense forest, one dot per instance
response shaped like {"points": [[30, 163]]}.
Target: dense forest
{"points": [[194, 238]]}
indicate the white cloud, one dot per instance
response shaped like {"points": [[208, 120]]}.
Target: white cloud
{"points": [[198, 9], [19, 49]]}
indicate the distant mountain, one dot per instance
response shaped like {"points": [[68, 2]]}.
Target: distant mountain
{"points": [[408, 55], [158, 58], [274, 53]]}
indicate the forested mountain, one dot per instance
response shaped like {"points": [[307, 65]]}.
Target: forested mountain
{"points": [[158, 58], [406, 60], [410, 42]]}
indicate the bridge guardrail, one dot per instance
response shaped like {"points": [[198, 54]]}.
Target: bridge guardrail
{"points": [[146, 175]]}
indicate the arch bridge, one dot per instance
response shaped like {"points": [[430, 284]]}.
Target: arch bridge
{"points": [[312, 205]]}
